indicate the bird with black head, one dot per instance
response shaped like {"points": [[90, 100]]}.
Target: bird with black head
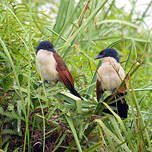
{"points": [[52, 68], [109, 77]]}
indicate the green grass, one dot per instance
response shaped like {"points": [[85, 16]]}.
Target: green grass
{"points": [[52, 119]]}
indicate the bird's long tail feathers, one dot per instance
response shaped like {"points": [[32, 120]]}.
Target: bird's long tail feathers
{"points": [[70, 86], [74, 92], [120, 105]]}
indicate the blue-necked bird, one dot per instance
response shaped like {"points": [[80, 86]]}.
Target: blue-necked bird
{"points": [[52, 68], [109, 77]]}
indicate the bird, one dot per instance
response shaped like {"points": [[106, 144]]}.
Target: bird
{"points": [[109, 77], [52, 68]]}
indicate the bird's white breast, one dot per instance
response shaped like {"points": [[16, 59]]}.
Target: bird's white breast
{"points": [[110, 74], [46, 65]]}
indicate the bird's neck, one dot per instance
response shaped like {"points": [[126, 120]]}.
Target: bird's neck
{"points": [[41, 51], [46, 51], [110, 59]]}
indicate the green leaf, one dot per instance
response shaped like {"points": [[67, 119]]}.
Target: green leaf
{"points": [[70, 122]]}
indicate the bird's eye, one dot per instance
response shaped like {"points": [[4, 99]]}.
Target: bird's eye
{"points": [[102, 53]]}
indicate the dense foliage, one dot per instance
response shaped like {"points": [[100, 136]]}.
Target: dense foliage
{"points": [[51, 119]]}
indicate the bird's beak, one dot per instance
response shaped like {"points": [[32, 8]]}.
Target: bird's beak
{"points": [[98, 56]]}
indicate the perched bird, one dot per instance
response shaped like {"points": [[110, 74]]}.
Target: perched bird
{"points": [[52, 68], [109, 77]]}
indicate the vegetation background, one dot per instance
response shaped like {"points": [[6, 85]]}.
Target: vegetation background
{"points": [[48, 119]]}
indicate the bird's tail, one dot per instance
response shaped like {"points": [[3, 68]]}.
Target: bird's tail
{"points": [[121, 106], [74, 92]]}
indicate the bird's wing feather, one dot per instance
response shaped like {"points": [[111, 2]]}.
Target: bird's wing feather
{"points": [[64, 73], [99, 90], [121, 74]]}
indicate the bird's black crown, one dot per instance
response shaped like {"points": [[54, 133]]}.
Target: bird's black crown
{"points": [[109, 52], [46, 45]]}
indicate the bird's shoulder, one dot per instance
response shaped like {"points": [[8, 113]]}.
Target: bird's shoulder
{"points": [[59, 61], [64, 73]]}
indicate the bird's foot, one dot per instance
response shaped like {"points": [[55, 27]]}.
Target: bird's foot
{"points": [[53, 85], [45, 81], [40, 84], [113, 91]]}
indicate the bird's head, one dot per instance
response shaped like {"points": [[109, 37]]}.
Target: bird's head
{"points": [[109, 52], [46, 45]]}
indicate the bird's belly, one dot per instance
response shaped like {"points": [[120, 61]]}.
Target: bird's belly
{"points": [[110, 82], [46, 66], [47, 73], [109, 78]]}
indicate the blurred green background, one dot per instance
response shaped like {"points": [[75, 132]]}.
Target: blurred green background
{"points": [[33, 120]]}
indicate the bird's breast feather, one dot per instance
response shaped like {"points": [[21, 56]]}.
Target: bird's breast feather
{"points": [[110, 75], [46, 65]]}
